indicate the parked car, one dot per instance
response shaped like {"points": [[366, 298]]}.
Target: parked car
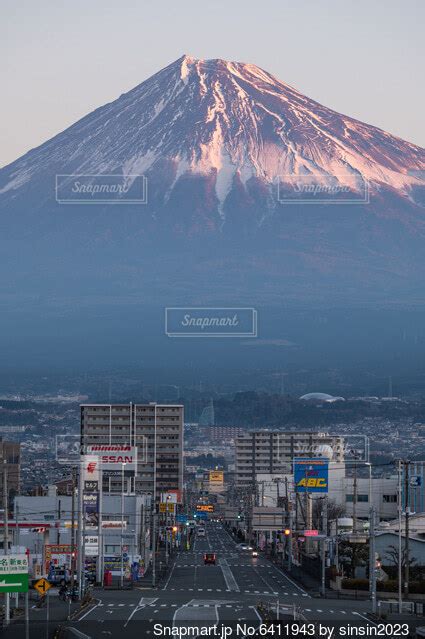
{"points": [[209, 558]]}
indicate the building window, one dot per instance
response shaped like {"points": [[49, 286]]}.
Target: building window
{"points": [[360, 498], [389, 499]]}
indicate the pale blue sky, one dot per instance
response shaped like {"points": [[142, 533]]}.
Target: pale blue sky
{"points": [[63, 58]]}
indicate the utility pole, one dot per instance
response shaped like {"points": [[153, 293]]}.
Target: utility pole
{"points": [[406, 538], [80, 537], [355, 499], [323, 549], [73, 531], [400, 508], [59, 522], [372, 558], [154, 547], [6, 537], [122, 526], [290, 540]]}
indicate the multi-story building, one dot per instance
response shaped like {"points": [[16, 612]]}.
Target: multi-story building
{"points": [[10, 465], [156, 430], [272, 452]]}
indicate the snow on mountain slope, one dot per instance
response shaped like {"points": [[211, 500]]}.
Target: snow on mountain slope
{"points": [[229, 122]]}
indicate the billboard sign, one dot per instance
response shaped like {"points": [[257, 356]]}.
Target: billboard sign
{"points": [[90, 468], [14, 573], [91, 511], [114, 456], [172, 496], [91, 486], [205, 508], [91, 545], [311, 475], [216, 477], [115, 523]]}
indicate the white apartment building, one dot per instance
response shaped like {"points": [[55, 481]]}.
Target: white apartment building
{"points": [[272, 452]]}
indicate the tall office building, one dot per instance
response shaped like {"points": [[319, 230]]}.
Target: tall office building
{"points": [[156, 430], [10, 465], [272, 452]]}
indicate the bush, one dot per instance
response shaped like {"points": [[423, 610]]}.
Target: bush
{"points": [[355, 584], [415, 587]]}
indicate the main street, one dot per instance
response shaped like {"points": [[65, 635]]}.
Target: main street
{"points": [[198, 594]]}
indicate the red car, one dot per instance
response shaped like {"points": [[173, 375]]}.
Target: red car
{"points": [[209, 558]]}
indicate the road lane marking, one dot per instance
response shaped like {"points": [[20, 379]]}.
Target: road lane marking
{"points": [[283, 574], [363, 617], [91, 610], [169, 577], [143, 603], [228, 576]]}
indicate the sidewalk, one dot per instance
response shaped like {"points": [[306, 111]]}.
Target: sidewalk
{"points": [[58, 613]]}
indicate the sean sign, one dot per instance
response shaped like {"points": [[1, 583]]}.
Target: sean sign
{"points": [[114, 456]]}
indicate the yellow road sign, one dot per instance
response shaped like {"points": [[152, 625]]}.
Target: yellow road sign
{"points": [[42, 586]]}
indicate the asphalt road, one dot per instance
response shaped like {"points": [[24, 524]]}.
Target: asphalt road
{"points": [[207, 595]]}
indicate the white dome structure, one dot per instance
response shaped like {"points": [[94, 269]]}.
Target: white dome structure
{"points": [[321, 397]]}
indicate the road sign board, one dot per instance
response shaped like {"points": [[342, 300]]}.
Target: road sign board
{"points": [[14, 583], [182, 519], [13, 564], [42, 586]]}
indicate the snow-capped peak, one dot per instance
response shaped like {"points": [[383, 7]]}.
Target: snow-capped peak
{"points": [[227, 121]]}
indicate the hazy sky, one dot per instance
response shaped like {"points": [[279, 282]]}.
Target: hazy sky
{"points": [[63, 58]]}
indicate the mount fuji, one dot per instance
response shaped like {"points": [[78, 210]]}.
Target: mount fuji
{"points": [[253, 193]]}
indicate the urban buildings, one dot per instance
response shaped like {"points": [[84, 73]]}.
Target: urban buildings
{"points": [[10, 469], [154, 430], [45, 523], [272, 452]]}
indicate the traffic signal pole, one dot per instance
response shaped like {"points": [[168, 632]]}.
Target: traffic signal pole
{"points": [[372, 559], [291, 524], [6, 539]]}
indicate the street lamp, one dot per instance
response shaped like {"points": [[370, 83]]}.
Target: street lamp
{"points": [[370, 482]]}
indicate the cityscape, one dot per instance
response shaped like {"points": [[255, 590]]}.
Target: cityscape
{"points": [[212, 326]]}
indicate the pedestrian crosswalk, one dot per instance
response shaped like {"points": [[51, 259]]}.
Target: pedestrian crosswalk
{"points": [[192, 565], [252, 592], [216, 604]]}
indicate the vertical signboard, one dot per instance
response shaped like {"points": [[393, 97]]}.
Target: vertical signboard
{"points": [[91, 511]]}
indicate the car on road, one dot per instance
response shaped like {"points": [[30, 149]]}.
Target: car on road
{"points": [[244, 547], [200, 532], [210, 558]]}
